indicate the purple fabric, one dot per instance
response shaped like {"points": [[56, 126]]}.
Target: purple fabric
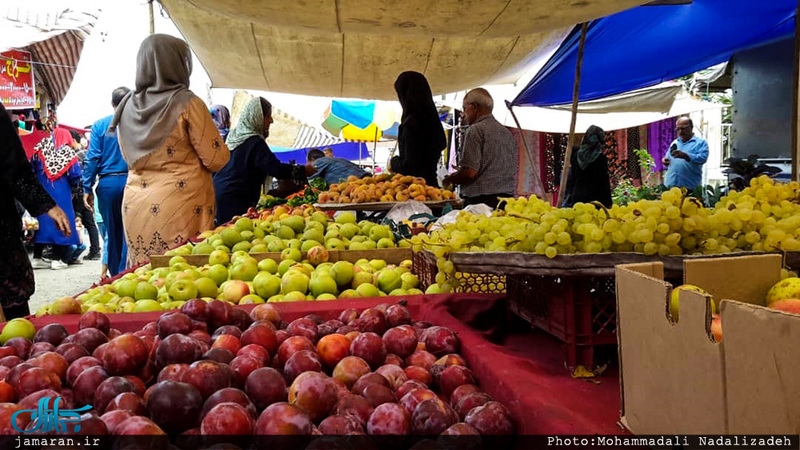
{"points": [[659, 137]]}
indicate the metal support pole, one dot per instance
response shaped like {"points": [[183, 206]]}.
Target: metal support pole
{"points": [[152, 17], [575, 96], [527, 149]]}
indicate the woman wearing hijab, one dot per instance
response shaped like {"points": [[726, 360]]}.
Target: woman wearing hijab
{"points": [[238, 184], [19, 183], [222, 119], [420, 136], [588, 179], [56, 166], [172, 146]]}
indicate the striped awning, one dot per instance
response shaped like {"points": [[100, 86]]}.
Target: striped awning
{"points": [[311, 137], [54, 33]]}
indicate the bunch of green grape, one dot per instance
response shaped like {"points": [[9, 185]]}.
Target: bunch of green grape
{"points": [[763, 217]]}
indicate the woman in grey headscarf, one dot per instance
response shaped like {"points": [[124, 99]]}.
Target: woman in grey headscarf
{"points": [[238, 185], [588, 174], [171, 146]]}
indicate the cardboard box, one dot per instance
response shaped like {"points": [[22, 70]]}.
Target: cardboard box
{"points": [[390, 255], [675, 379]]}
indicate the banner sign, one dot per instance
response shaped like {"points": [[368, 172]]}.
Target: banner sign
{"points": [[16, 80]]}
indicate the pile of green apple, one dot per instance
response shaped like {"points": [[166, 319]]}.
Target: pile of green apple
{"points": [[241, 279], [275, 234]]}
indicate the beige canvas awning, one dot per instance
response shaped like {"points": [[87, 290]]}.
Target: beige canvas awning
{"points": [[356, 48]]}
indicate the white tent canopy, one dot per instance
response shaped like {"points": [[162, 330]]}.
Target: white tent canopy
{"points": [[356, 48]]}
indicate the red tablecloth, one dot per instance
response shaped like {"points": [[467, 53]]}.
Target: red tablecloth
{"points": [[522, 369]]}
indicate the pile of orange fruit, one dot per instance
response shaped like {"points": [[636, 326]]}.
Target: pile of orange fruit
{"points": [[383, 188]]}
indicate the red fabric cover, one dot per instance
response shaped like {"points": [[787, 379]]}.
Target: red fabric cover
{"points": [[523, 370]]}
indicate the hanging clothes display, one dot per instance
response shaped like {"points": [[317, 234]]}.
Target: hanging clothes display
{"points": [[659, 137], [527, 183], [634, 172]]}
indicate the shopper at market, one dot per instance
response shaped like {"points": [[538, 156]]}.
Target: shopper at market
{"points": [[18, 182], [328, 152], [588, 179], [104, 161], [238, 185], [82, 211], [420, 138], [56, 166], [171, 146], [222, 119], [488, 162], [686, 157], [331, 169]]}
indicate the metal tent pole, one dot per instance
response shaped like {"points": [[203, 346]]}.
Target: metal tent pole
{"points": [[575, 92]]}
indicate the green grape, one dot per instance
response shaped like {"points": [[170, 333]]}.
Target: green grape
{"points": [[551, 252], [650, 248], [550, 238], [563, 238]]}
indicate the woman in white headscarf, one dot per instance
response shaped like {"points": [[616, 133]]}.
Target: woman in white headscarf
{"points": [[172, 146], [238, 184]]}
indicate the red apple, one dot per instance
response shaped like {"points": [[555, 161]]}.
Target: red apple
{"points": [[283, 419], [124, 355], [53, 333], [227, 419], [348, 315], [265, 386], [393, 359], [229, 395], [94, 319], [176, 323], [86, 384], [441, 341], [261, 335], [461, 392], [139, 426], [174, 406], [416, 396], [377, 394], [208, 377], [470, 401], [7, 410], [389, 419], [177, 349]]}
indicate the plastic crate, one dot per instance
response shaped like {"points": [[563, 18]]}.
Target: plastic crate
{"points": [[424, 267], [579, 311]]}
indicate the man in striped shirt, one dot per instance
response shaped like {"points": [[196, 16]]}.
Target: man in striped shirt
{"points": [[488, 163]]}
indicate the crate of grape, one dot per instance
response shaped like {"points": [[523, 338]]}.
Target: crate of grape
{"points": [[381, 193]]}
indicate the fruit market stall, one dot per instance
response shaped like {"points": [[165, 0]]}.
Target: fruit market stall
{"points": [[342, 376]]}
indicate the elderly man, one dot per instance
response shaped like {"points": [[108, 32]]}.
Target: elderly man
{"points": [[488, 162], [686, 157]]}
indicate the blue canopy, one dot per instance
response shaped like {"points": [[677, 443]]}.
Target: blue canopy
{"points": [[357, 113], [647, 45], [347, 150]]}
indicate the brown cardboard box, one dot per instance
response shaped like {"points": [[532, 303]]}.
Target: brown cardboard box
{"points": [[675, 379], [390, 255]]}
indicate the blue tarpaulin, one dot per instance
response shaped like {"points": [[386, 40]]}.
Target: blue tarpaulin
{"points": [[647, 45], [346, 150]]}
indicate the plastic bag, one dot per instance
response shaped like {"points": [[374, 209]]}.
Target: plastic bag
{"points": [[453, 215], [405, 210]]}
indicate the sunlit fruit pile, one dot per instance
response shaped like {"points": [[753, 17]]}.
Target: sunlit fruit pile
{"points": [[212, 369], [383, 188], [276, 233], [783, 296], [763, 217], [241, 279]]}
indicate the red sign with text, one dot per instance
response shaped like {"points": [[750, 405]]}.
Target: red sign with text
{"points": [[16, 80]]}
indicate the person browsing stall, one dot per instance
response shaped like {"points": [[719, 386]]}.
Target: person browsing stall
{"points": [[487, 167], [686, 157], [332, 169]]}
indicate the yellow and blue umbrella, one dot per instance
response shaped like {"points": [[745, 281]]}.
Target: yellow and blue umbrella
{"points": [[356, 120]]}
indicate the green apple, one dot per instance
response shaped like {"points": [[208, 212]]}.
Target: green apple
{"points": [[434, 289], [369, 244], [176, 260], [183, 251], [332, 234], [145, 291], [345, 217], [349, 293], [183, 290], [291, 253], [414, 291], [276, 246], [335, 244], [219, 257], [284, 232], [308, 245], [231, 237], [314, 225], [243, 246], [223, 248], [193, 273], [377, 264], [206, 287], [319, 216], [404, 243], [275, 299], [368, 290], [251, 299], [294, 243], [173, 277], [268, 265], [349, 230], [125, 288], [326, 297], [259, 248], [146, 306], [343, 273], [180, 267], [323, 284], [218, 273], [409, 280], [385, 243], [244, 271], [243, 224], [399, 292], [294, 296], [313, 234], [359, 238], [355, 245], [389, 280], [241, 257], [202, 249], [247, 235], [18, 327], [266, 284], [294, 281], [284, 266], [258, 233], [296, 223]]}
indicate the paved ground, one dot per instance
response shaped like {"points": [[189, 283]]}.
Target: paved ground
{"points": [[52, 284]]}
